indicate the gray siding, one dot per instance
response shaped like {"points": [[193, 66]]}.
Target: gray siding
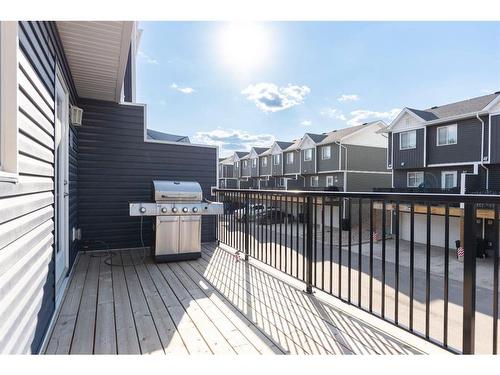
{"points": [[467, 148], [413, 158], [432, 176], [308, 167], [236, 171], [331, 164], [264, 171], [365, 182], [254, 170], [27, 208], [338, 180], [226, 171], [277, 169], [116, 167], [296, 184], [228, 183], [495, 139], [245, 172], [295, 166], [364, 158]]}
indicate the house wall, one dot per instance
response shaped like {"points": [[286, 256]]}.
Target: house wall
{"points": [[467, 148], [432, 175], [254, 170], [308, 167], [389, 149], [331, 164], [295, 166], [295, 184], [264, 171], [245, 172], [27, 208], [338, 180], [116, 167], [277, 169], [365, 182], [413, 158], [437, 229], [495, 139], [364, 158]]}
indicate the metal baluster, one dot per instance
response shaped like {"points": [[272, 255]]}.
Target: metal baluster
{"points": [[396, 270], [360, 247], [349, 250], [323, 243], [383, 259], [495, 283], [370, 307], [341, 207], [315, 243], [446, 271], [412, 261], [309, 234], [331, 244], [428, 273], [469, 289]]}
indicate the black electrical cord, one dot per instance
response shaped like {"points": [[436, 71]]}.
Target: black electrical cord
{"points": [[109, 254]]}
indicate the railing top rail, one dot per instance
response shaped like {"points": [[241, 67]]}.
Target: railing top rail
{"points": [[409, 197]]}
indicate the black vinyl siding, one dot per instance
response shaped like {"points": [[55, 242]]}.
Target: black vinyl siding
{"points": [[295, 166], [116, 166], [495, 139], [467, 148], [412, 158]]}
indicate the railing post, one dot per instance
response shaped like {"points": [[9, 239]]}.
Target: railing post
{"points": [[247, 233], [469, 292], [309, 244]]}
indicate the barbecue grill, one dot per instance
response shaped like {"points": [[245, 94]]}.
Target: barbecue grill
{"points": [[178, 209]]}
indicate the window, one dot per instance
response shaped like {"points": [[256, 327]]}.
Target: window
{"points": [[276, 159], [329, 181], [245, 163], [314, 181], [308, 154], [254, 163], [263, 162], [408, 140], [326, 152], [448, 179], [289, 158], [8, 101], [237, 164], [415, 179], [281, 182], [447, 135]]}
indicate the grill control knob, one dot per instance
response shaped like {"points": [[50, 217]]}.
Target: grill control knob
{"points": [[142, 210], [195, 209], [164, 210], [185, 209], [174, 210]]}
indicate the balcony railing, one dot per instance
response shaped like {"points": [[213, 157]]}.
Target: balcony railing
{"points": [[389, 254], [420, 190]]}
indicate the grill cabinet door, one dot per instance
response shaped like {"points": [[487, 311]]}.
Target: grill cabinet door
{"points": [[167, 235], [190, 234]]}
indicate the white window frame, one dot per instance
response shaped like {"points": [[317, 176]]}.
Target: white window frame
{"points": [[254, 163], [453, 126], [281, 182], [443, 179], [289, 158], [263, 162], [276, 159], [329, 181], [323, 148], [414, 173], [414, 132], [316, 181], [8, 101], [245, 163], [237, 164], [306, 151]]}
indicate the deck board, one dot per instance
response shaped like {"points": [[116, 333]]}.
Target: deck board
{"points": [[212, 305]]}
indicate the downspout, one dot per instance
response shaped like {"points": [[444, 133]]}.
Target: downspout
{"points": [[482, 153]]}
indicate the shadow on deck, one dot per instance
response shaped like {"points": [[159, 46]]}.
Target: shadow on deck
{"points": [[214, 305]]}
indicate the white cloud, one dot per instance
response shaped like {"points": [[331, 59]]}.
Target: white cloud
{"points": [[184, 90], [348, 98], [230, 140], [145, 58], [333, 113], [306, 123], [361, 116], [269, 97]]}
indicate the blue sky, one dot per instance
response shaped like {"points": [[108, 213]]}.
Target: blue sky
{"points": [[239, 86]]}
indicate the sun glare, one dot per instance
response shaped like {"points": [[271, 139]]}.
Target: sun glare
{"points": [[244, 46]]}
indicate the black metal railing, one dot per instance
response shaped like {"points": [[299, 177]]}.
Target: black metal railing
{"points": [[386, 253]]}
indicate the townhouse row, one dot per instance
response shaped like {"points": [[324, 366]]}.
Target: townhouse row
{"points": [[349, 159]]}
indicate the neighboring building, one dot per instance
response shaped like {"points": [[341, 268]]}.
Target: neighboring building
{"points": [[160, 136], [349, 159], [454, 146], [65, 182], [227, 177]]}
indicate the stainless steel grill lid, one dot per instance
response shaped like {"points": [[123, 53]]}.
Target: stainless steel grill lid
{"points": [[177, 191]]}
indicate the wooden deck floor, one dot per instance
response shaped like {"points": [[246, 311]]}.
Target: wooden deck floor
{"points": [[214, 305]]}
